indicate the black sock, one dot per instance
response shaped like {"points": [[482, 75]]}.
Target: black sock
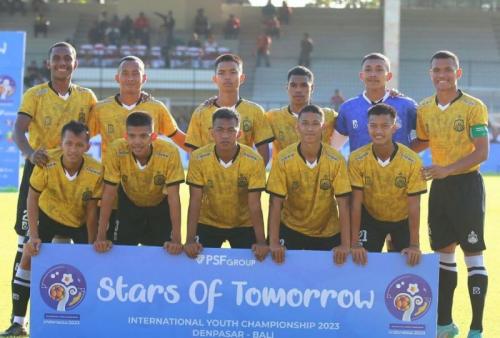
{"points": [[21, 292], [447, 285], [478, 286], [17, 260]]}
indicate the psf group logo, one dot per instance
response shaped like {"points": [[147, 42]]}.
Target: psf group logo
{"points": [[7, 87], [63, 287], [408, 297]]}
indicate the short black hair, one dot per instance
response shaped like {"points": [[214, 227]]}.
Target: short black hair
{"points": [[382, 109], [301, 71], [226, 113], [312, 108], [377, 56], [76, 128], [139, 119], [446, 54], [228, 57], [130, 58], [63, 44]]}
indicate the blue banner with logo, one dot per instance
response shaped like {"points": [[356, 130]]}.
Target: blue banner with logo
{"points": [[145, 292], [12, 46]]}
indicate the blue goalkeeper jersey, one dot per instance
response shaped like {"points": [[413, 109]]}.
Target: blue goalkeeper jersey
{"points": [[353, 119]]}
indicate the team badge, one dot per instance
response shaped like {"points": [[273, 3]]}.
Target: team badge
{"points": [[472, 238], [368, 181], [111, 129], [159, 179], [242, 182], [210, 184], [281, 136], [325, 184], [81, 116], [124, 178], [47, 121], [459, 125], [400, 181], [87, 195], [295, 185], [247, 125]]}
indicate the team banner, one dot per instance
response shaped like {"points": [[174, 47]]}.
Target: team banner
{"points": [[145, 292], [12, 45]]}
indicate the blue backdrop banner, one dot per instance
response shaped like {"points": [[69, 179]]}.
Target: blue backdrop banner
{"points": [[12, 46], [145, 292]]}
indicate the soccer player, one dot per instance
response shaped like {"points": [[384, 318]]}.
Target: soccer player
{"points": [[62, 201], [309, 187], [255, 129], [352, 121], [225, 182], [139, 169], [453, 125], [387, 184], [283, 121], [44, 110]]}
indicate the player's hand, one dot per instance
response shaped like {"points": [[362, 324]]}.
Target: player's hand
{"points": [[210, 101], [102, 245], [192, 249], [260, 250], [173, 247], [33, 246], [393, 92], [413, 254], [340, 254], [278, 253], [359, 255], [435, 172], [39, 157]]}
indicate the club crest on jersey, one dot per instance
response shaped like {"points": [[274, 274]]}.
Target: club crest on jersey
{"points": [[47, 121], [81, 116], [400, 181], [247, 125], [242, 182], [159, 179], [459, 125], [111, 129], [355, 124], [368, 181], [87, 195], [472, 237], [124, 178], [325, 184], [281, 135], [295, 185]]}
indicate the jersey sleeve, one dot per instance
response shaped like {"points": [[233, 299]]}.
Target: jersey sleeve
{"points": [[97, 191], [195, 173], [167, 125], [341, 183], [416, 184], [276, 183], [92, 99], [112, 166], [93, 123], [341, 121], [175, 172], [355, 174], [262, 129], [257, 179], [193, 134], [478, 121], [39, 179], [422, 133], [29, 103]]}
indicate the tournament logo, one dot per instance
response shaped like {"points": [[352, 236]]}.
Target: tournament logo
{"points": [[459, 125], [63, 287], [159, 179], [7, 88], [408, 297], [400, 181], [325, 184], [247, 125], [242, 182]]}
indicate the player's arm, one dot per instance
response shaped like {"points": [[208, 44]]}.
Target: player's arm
{"points": [[38, 156], [277, 250], [91, 216], [174, 246], [358, 252], [478, 156], [338, 140], [413, 251], [260, 249], [33, 245], [108, 196], [341, 252], [179, 138], [263, 150], [192, 247], [418, 145]]}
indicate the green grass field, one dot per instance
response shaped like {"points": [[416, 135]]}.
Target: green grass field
{"points": [[462, 313]]}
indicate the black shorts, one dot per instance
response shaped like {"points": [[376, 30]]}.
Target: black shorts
{"points": [[212, 237], [142, 225], [373, 233], [294, 240], [49, 228], [456, 212], [21, 225]]}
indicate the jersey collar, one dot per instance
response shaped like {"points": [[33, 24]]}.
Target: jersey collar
{"points": [[149, 157], [70, 88], [386, 95], [117, 100], [77, 172], [396, 148], [460, 94], [236, 105], [233, 159], [317, 157], [296, 115]]}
